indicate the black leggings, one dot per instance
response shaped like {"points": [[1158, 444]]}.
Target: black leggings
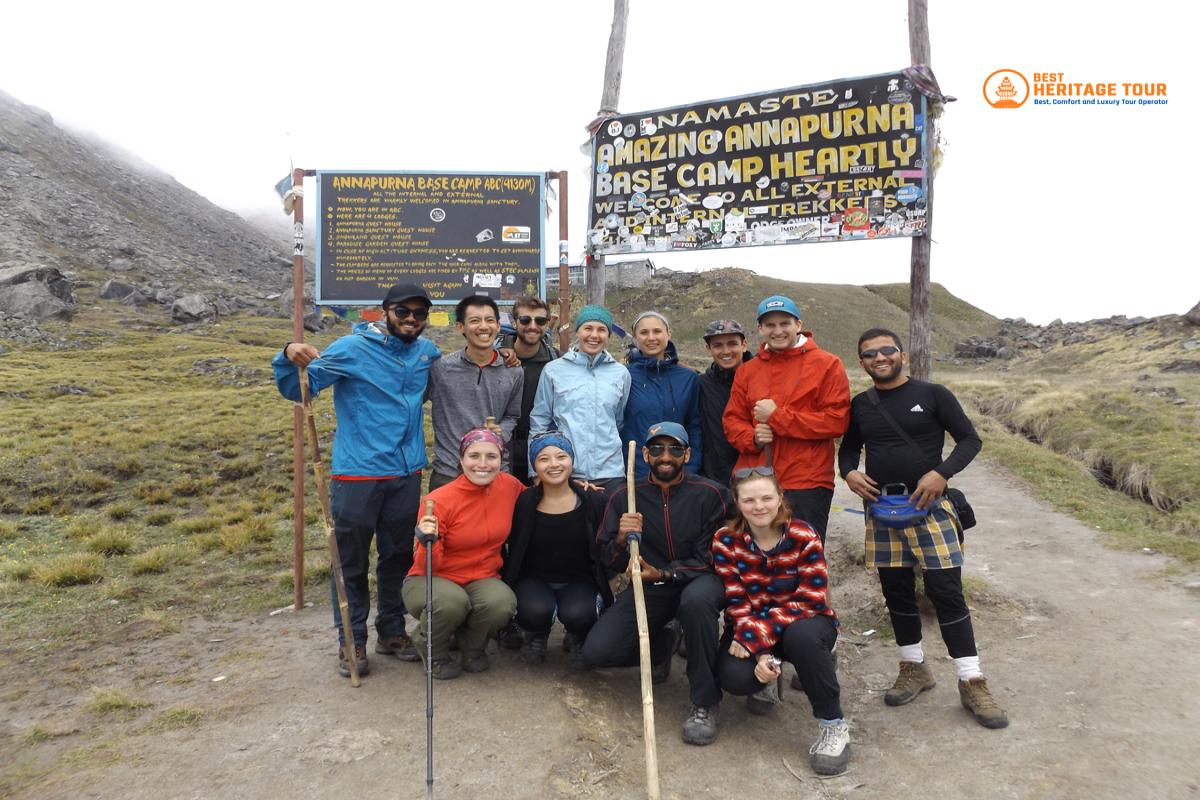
{"points": [[944, 589], [808, 644], [575, 602]]}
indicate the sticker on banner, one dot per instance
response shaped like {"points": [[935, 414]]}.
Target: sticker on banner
{"points": [[648, 126], [515, 234], [630, 129], [612, 221], [437, 215], [485, 235], [614, 128], [637, 200], [908, 192], [713, 201], [487, 280], [602, 167]]}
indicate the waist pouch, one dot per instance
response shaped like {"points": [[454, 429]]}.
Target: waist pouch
{"points": [[896, 511]]}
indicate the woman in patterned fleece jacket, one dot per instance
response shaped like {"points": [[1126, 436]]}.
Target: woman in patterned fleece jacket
{"points": [[773, 568]]}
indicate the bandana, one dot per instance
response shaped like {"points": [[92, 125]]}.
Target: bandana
{"points": [[552, 439], [479, 435]]}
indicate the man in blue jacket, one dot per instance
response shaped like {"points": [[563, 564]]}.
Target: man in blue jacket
{"points": [[380, 371]]}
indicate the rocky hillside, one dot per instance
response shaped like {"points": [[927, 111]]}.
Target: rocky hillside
{"points": [[77, 215]]}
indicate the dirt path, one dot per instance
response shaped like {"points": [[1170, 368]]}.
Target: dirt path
{"points": [[1093, 653]]}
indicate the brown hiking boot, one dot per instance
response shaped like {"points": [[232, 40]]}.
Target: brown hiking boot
{"points": [[913, 679], [360, 655], [977, 698], [400, 646]]}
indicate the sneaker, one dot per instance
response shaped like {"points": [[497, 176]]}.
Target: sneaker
{"points": [[977, 698], [510, 637], [913, 679], [443, 669], [831, 752], [533, 651], [400, 646], [661, 670], [476, 661], [764, 701], [701, 727], [360, 655]]}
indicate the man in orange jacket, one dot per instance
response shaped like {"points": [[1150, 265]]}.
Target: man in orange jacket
{"points": [[789, 404]]}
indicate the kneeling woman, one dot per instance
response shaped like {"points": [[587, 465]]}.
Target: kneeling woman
{"points": [[552, 560], [773, 568], [471, 519]]}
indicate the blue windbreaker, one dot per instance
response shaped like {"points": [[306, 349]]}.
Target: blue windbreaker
{"points": [[379, 390], [662, 391], [584, 397]]}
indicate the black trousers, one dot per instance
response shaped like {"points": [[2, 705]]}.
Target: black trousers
{"points": [[384, 510], [613, 641], [808, 644], [812, 506], [944, 589], [575, 603]]}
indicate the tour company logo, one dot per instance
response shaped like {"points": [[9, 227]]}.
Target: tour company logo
{"points": [[1008, 88]]}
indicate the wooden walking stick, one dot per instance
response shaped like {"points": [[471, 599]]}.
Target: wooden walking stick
{"points": [[639, 605], [335, 559], [428, 542]]}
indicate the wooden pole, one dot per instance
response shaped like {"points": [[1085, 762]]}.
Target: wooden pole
{"points": [[564, 272], [614, 64], [639, 605], [920, 362], [298, 411]]}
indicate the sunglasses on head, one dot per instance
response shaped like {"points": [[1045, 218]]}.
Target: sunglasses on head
{"points": [[525, 319], [403, 312], [746, 472], [657, 450], [867, 355]]}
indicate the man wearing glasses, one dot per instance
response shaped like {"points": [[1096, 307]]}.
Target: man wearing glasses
{"points": [[380, 372], [530, 349], [678, 513], [903, 424]]}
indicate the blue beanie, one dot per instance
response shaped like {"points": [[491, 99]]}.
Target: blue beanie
{"points": [[550, 439], [594, 314]]}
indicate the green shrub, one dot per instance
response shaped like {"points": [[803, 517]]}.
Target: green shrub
{"points": [[71, 569]]}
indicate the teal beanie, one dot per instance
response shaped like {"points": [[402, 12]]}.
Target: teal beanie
{"points": [[594, 314]]}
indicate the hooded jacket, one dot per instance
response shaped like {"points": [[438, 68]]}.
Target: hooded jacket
{"points": [[812, 397], [524, 516], [718, 455], [379, 385], [662, 390], [584, 397]]}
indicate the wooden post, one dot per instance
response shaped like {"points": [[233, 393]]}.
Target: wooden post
{"points": [[298, 409], [564, 254], [920, 325], [614, 63]]}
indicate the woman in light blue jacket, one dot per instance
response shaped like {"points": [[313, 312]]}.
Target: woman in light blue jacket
{"points": [[583, 394]]}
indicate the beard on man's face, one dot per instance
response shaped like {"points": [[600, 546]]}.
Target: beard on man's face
{"points": [[404, 336], [666, 471]]}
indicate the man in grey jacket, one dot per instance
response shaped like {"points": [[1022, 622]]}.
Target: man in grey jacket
{"points": [[470, 385]]}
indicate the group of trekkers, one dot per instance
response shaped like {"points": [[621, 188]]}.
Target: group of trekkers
{"points": [[527, 511]]}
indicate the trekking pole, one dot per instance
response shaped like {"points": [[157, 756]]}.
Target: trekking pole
{"points": [[639, 605], [335, 558], [767, 449], [428, 541]]}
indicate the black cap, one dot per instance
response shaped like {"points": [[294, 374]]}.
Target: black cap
{"points": [[406, 291]]}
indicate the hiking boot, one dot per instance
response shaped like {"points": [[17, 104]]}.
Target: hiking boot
{"points": [[831, 752], [764, 701], [400, 646], [575, 657], [533, 651], [661, 670], [977, 698], [701, 727], [360, 655], [444, 669], [477, 661], [571, 642], [913, 679], [510, 637]]}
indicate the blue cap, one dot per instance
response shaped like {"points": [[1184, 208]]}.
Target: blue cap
{"points": [[671, 429], [778, 302]]}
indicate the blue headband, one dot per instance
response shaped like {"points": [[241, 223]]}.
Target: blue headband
{"points": [[553, 439]]}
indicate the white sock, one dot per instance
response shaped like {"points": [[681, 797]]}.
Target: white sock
{"points": [[912, 652], [967, 668]]}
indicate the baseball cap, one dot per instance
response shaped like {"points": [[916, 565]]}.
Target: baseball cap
{"points": [[406, 291], [778, 302], [672, 429], [721, 327]]}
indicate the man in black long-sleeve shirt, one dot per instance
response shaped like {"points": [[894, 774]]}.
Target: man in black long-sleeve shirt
{"points": [[925, 412]]}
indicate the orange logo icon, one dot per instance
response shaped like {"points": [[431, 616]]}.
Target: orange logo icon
{"points": [[1006, 88]]}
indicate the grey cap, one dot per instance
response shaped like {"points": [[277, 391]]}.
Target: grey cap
{"points": [[721, 327]]}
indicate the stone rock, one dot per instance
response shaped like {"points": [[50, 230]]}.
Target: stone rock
{"points": [[977, 347], [114, 289], [193, 308], [32, 300], [314, 322], [1192, 344], [120, 265], [164, 296], [1193, 316], [1181, 365], [135, 299], [57, 283]]}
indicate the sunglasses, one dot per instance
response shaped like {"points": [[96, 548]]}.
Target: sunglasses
{"points": [[403, 312], [867, 355], [657, 450], [746, 472], [525, 319]]}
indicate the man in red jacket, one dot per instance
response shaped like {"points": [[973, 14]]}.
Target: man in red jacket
{"points": [[788, 406]]}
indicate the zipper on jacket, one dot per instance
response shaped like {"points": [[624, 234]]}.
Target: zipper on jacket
{"points": [[666, 494]]}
